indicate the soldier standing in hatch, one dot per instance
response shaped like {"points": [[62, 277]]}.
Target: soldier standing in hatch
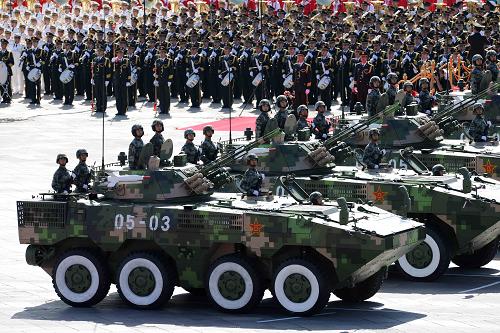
{"points": [[477, 73], [392, 87], [425, 100], [373, 96], [135, 148], [372, 155], [61, 181], [208, 150], [263, 118], [157, 139], [81, 174], [189, 148], [491, 64], [320, 126], [302, 123], [282, 114], [252, 179], [479, 126]]}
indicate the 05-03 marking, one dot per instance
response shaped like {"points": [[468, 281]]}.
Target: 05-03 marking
{"points": [[154, 223]]}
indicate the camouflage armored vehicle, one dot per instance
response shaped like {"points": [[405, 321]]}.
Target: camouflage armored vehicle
{"points": [[142, 232], [461, 212]]}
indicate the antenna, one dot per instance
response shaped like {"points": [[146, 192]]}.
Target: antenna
{"points": [[105, 92]]}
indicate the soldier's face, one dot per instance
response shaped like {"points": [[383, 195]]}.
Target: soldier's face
{"points": [[158, 128], [139, 133], [283, 104], [62, 161], [264, 107], [375, 137], [253, 163], [321, 109], [83, 157], [190, 137], [209, 134]]}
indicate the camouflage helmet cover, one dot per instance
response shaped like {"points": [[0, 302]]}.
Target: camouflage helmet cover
{"points": [[80, 152], [264, 101], [281, 98], [135, 128], [374, 131], [252, 157], [373, 79], [476, 57], [189, 131], [302, 108], [315, 196], [318, 104], [208, 128], [407, 84], [438, 168], [157, 122], [59, 156]]}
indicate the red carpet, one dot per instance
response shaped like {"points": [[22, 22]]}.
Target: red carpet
{"points": [[238, 124]]}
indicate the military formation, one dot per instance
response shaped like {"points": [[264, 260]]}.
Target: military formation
{"points": [[222, 53]]}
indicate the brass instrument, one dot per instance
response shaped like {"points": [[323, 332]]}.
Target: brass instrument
{"points": [[202, 6], [174, 5], [377, 5], [289, 5], [473, 5], [350, 6]]}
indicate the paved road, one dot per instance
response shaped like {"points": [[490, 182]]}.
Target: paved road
{"points": [[30, 138]]}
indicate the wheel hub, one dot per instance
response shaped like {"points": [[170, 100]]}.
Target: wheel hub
{"points": [[231, 285], [78, 278], [297, 288], [421, 256], [141, 281]]}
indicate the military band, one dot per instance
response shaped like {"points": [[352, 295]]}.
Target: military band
{"points": [[226, 53]]}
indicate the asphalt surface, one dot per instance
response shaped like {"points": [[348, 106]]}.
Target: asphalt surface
{"points": [[30, 139]]}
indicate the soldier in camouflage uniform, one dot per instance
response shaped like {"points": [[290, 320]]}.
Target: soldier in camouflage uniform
{"points": [[392, 87], [491, 64], [135, 148], [252, 179], [478, 128], [373, 96], [320, 126], [189, 148], [477, 73], [61, 181], [157, 139], [425, 100], [263, 118], [372, 155], [81, 174], [303, 112], [208, 150], [408, 99], [282, 114]]}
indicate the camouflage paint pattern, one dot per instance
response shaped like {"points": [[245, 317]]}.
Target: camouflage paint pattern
{"points": [[196, 234]]}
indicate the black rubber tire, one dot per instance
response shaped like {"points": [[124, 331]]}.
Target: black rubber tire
{"points": [[216, 297], [440, 267], [101, 269], [362, 290], [479, 258], [168, 275], [323, 287]]}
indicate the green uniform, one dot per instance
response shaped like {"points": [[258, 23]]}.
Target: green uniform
{"points": [[372, 155], [81, 177], [192, 152], [62, 180], [251, 182], [134, 151]]}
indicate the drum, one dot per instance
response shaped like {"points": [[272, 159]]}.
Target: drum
{"points": [[257, 80], [4, 73], [192, 80], [227, 78], [324, 82], [133, 76], [34, 74], [288, 81], [66, 76]]}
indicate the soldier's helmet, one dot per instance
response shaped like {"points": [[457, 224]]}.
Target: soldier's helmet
{"points": [[408, 84], [157, 122], [208, 128], [392, 77], [491, 53], [438, 170], [189, 131], [422, 81], [281, 98], [251, 157], [477, 106], [59, 156], [80, 152], [315, 197], [264, 101], [373, 131], [318, 104], [374, 79], [302, 108], [135, 128], [476, 57]]}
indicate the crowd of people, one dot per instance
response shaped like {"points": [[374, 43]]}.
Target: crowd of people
{"points": [[223, 52]]}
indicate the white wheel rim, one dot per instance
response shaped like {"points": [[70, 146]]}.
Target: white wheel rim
{"points": [[280, 292], [61, 281], [125, 288], [426, 271], [215, 293]]}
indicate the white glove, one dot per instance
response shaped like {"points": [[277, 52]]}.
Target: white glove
{"points": [[406, 58], [309, 55], [317, 76], [263, 176], [179, 56], [351, 85], [489, 123], [265, 49], [108, 49], [38, 64], [170, 51], [92, 82], [28, 68], [138, 50], [376, 166], [324, 136], [155, 76], [428, 112], [60, 70], [169, 84], [87, 53], [127, 84], [244, 54], [213, 54], [256, 193], [373, 59], [45, 48], [106, 83], [220, 76], [327, 72], [77, 49], [156, 83], [203, 53], [383, 151], [71, 66], [148, 56], [483, 138], [386, 86], [73, 175], [196, 71], [85, 187], [65, 192]]}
